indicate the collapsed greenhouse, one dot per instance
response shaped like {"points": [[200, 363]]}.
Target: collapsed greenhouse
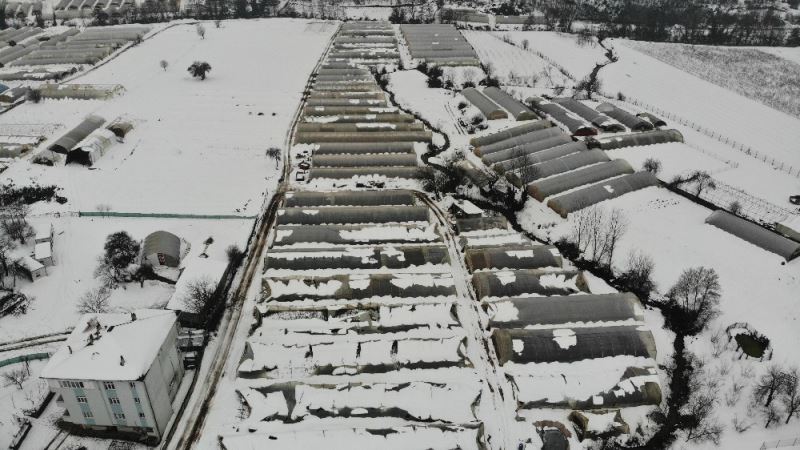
{"points": [[512, 105], [592, 116], [509, 133], [560, 165], [68, 141], [487, 107], [350, 198], [509, 283], [352, 214], [573, 123], [593, 194], [554, 310], [542, 189], [515, 141], [521, 164], [530, 148], [755, 234], [631, 121], [512, 257], [92, 147], [636, 139], [303, 235]]}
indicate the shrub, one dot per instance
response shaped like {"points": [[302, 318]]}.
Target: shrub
{"points": [[199, 69]]}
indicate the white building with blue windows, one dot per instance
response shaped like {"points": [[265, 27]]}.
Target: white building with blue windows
{"points": [[119, 372]]}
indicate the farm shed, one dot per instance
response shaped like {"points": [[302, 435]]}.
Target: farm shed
{"points": [[635, 123], [517, 141], [652, 119], [596, 193], [489, 108], [162, 248], [554, 310], [68, 141], [555, 185], [385, 160], [339, 173], [92, 147], [510, 133], [468, 224], [302, 235], [526, 149], [312, 137], [512, 257], [510, 283], [514, 106], [549, 345], [560, 165], [43, 252], [541, 156], [352, 214], [339, 148], [30, 267], [120, 128], [350, 198], [637, 139], [575, 125], [592, 116], [357, 258], [45, 234], [755, 234], [358, 287]]}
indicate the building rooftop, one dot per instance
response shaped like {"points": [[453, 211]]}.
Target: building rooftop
{"points": [[111, 347]]}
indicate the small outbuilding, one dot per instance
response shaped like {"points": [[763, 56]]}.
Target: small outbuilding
{"points": [[162, 248]]}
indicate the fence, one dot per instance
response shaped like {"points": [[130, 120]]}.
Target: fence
{"points": [[747, 150], [750, 207], [162, 215], [780, 443], [23, 358]]}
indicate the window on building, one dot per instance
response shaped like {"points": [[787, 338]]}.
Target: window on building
{"points": [[71, 384], [81, 398], [132, 385], [141, 415], [113, 400], [88, 414], [136, 400], [108, 385], [119, 416]]}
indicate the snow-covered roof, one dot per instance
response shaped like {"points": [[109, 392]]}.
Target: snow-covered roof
{"points": [[42, 250], [195, 269], [120, 348], [43, 233], [29, 263]]}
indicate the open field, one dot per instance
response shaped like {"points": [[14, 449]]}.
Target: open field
{"points": [[197, 147], [758, 75]]}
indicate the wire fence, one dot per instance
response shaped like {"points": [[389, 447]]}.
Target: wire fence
{"points": [[754, 208], [780, 443], [747, 150]]}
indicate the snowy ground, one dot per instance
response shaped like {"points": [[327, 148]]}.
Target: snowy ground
{"points": [[197, 147], [77, 245], [672, 231]]}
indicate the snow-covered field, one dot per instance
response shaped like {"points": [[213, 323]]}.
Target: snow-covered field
{"points": [[197, 146], [755, 74], [77, 245]]}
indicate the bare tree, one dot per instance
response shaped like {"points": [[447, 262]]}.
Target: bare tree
{"points": [[199, 295], [16, 376], [692, 302], [769, 384], [702, 181], [638, 275], [698, 421], [652, 165], [274, 153], [201, 30], [615, 228], [6, 245], [790, 394], [15, 222], [772, 414], [164, 64], [94, 300]]}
